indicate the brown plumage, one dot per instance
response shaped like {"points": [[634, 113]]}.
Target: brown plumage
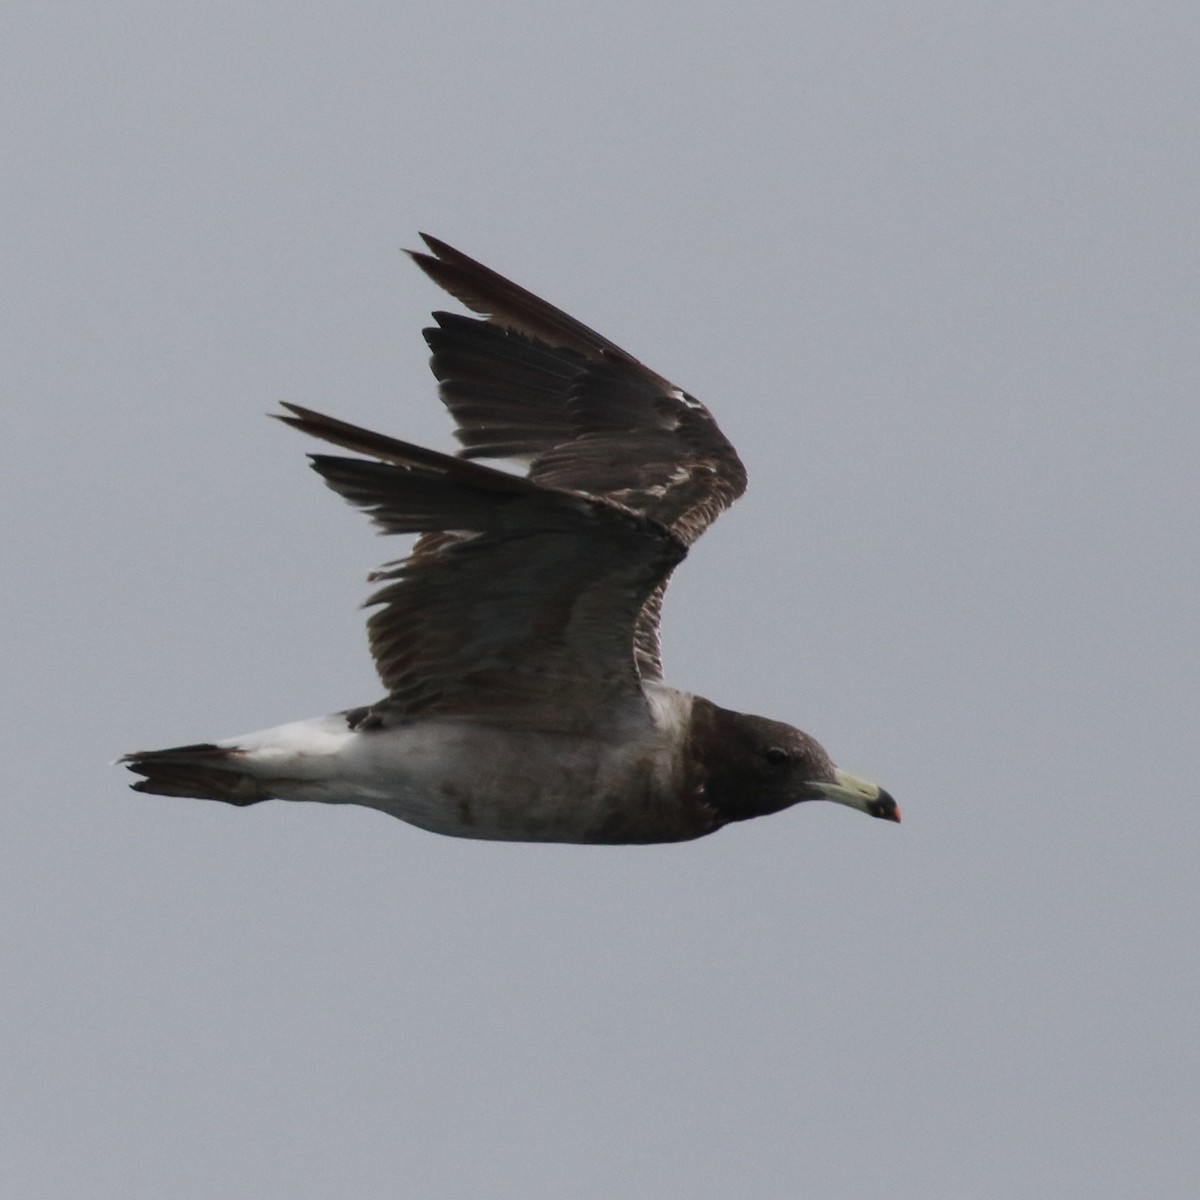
{"points": [[518, 641]]}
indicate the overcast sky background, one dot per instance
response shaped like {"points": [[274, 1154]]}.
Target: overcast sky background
{"points": [[934, 268]]}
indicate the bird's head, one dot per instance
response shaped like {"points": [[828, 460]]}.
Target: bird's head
{"points": [[754, 766]]}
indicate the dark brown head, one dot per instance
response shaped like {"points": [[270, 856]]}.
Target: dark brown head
{"points": [[754, 766]]}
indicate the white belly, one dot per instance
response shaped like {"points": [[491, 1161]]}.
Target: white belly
{"points": [[467, 780]]}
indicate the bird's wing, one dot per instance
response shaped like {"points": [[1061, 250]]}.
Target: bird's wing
{"points": [[531, 383], [517, 605]]}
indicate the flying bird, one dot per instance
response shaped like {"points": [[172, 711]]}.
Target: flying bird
{"points": [[518, 641]]}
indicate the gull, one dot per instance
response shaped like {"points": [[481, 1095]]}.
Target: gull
{"points": [[518, 641]]}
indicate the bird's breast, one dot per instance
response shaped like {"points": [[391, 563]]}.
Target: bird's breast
{"points": [[469, 780]]}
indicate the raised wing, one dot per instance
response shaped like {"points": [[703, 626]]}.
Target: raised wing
{"points": [[518, 602], [529, 382]]}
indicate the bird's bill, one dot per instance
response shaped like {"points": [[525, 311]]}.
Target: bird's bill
{"points": [[859, 793]]}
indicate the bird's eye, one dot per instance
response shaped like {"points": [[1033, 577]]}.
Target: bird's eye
{"points": [[777, 756]]}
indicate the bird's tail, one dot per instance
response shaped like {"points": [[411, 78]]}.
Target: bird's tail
{"points": [[203, 771]]}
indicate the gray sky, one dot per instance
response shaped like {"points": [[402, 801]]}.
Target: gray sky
{"points": [[934, 267]]}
